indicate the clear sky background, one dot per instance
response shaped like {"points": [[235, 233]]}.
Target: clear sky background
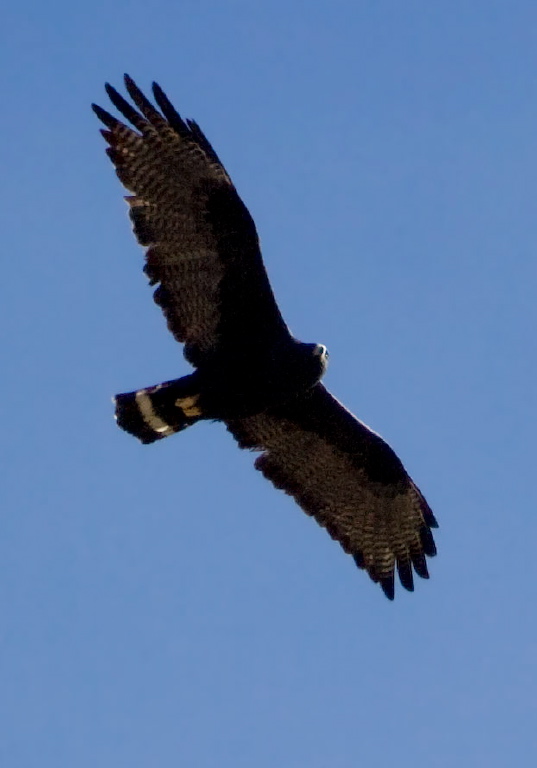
{"points": [[164, 605]]}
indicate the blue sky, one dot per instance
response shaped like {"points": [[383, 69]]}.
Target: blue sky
{"points": [[164, 605]]}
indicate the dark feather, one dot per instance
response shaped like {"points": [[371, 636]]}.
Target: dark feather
{"points": [[404, 569], [168, 110], [420, 565], [105, 117], [143, 104], [204, 247], [125, 108], [388, 585], [348, 478], [427, 541]]}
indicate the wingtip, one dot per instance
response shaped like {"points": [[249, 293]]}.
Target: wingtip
{"points": [[164, 103], [132, 89], [420, 565], [113, 94], [428, 545], [105, 117], [404, 570], [130, 85], [388, 587], [387, 583], [155, 87]]}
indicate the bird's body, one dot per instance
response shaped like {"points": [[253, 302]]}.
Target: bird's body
{"points": [[250, 372]]}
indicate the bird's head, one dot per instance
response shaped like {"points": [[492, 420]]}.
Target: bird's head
{"points": [[318, 355], [321, 352]]}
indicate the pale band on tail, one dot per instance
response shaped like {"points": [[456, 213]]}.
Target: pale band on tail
{"points": [[153, 413]]}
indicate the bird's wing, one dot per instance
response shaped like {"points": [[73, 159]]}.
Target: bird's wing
{"points": [[349, 479], [202, 245]]}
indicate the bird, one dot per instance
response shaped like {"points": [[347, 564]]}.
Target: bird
{"points": [[204, 259]]}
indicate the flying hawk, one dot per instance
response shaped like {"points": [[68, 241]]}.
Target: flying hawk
{"points": [[202, 253]]}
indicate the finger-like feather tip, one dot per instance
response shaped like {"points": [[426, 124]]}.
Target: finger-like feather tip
{"points": [[109, 120]]}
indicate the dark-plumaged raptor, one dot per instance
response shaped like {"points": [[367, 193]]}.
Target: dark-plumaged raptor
{"points": [[202, 253]]}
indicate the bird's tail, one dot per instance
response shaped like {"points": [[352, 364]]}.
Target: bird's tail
{"points": [[156, 412]]}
